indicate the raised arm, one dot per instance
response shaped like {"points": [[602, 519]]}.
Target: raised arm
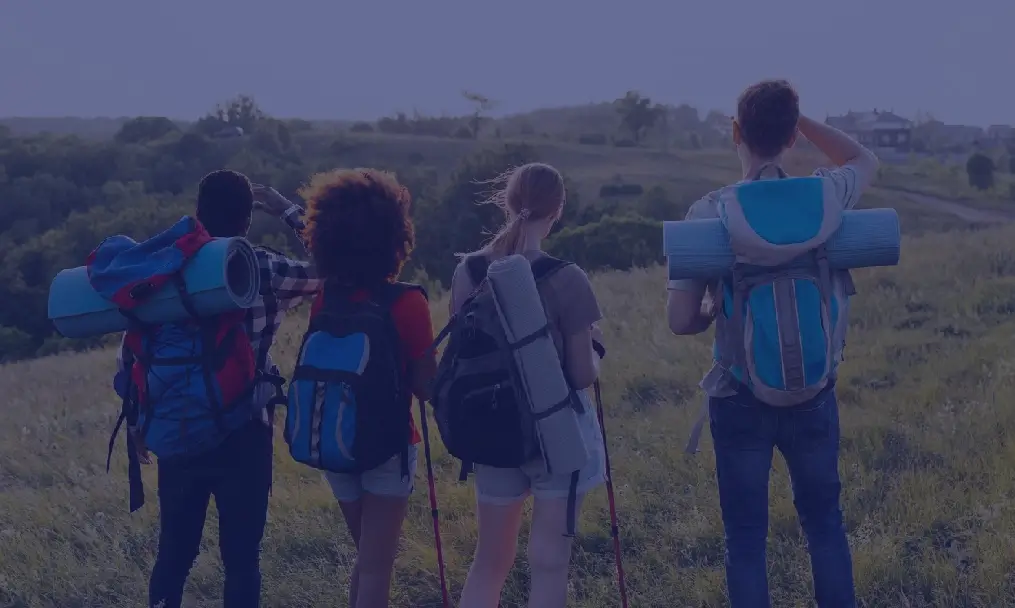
{"points": [[293, 217], [293, 281], [857, 165]]}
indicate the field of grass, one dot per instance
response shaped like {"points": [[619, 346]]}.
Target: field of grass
{"points": [[686, 175], [926, 396]]}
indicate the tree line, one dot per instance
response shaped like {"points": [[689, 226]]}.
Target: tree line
{"points": [[62, 195]]}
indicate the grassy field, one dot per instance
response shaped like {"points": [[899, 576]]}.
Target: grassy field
{"points": [[927, 463], [686, 175]]}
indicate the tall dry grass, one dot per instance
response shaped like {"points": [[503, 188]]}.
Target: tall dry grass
{"points": [[926, 396]]}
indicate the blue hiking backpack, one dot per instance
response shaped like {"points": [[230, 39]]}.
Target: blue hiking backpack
{"points": [[349, 406], [783, 316], [192, 382]]}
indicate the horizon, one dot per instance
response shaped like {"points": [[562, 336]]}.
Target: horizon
{"points": [[702, 113]]}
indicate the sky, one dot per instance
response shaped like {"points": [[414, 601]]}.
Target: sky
{"points": [[362, 59]]}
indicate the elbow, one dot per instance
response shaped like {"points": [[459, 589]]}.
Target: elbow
{"points": [[683, 325], [582, 377]]}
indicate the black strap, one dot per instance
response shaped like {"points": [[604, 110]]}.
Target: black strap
{"points": [[572, 504], [543, 331], [546, 265], [477, 265], [542, 267]]}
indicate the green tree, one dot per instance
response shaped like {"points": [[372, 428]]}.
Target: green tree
{"points": [[15, 344], [144, 129], [455, 223], [980, 170], [482, 105], [637, 114]]}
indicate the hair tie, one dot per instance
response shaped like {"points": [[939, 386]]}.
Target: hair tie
{"points": [[524, 214]]}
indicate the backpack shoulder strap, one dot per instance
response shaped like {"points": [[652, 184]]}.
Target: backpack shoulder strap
{"points": [[546, 266], [390, 293], [477, 265], [387, 294]]}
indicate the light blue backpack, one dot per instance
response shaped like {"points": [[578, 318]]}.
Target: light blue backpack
{"points": [[783, 320]]}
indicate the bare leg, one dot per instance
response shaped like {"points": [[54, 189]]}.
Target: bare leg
{"points": [[381, 527], [353, 513], [549, 552], [495, 554]]}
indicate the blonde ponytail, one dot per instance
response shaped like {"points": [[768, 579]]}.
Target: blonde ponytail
{"points": [[508, 239]]}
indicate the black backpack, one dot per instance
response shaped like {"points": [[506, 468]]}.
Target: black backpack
{"points": [[349, 403], [480, 405]]}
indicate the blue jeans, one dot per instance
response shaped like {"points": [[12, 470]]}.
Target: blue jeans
{"points": [[238, 475], [745, 433]]}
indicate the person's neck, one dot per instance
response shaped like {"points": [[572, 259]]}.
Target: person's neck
{"points": [[532, 239], [754, 164]]}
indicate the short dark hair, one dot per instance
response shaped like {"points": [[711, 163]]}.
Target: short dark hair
{"points": [[225, 202], [358, 227], [767, 113]]}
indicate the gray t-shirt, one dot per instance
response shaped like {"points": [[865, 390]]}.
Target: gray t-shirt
{"points": [[571, 307], [849, 181]]}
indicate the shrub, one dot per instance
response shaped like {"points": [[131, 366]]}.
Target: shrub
{"points": [[611, 190], [618, 243], [592, 139]]}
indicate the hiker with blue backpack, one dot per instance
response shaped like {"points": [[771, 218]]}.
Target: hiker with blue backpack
{"points": [[483, 407], [781, 322], [365, 355], [200, 394]]}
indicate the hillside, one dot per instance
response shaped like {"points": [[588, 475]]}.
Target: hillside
{"points": [[925, 392], [63, 194]]}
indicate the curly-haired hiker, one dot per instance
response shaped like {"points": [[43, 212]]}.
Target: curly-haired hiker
{"points": [[365, 355], [532, 198], [798, 412]]}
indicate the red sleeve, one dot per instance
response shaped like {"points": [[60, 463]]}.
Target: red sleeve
{"points": [[412, 319]]}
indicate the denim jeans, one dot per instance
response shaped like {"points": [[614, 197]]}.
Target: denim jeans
{"points": [[238, 475], [745, 433]]}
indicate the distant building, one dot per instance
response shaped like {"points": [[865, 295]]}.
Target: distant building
{"points": [[875, 129], [1001, 132]]}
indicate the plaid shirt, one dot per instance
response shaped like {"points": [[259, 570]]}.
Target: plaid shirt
{"points": [[285, 284]]}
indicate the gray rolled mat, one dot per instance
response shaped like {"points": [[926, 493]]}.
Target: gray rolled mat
{"points": [[521, 313], [700, 249]]}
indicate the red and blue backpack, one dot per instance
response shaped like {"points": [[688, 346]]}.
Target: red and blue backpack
{"points": [[192, 381]]}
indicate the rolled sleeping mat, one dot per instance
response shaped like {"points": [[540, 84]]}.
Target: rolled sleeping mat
{"points": [[700, 249], [521, 312], [224, 275]]}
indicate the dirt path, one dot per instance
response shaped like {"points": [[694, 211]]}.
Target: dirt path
{"points": [[959, 210]]}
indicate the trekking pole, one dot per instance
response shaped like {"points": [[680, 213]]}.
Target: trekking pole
{"points": [[614, 525], [433, 503]]}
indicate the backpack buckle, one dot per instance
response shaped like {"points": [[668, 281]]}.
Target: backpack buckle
{"points": [[141, 291]]}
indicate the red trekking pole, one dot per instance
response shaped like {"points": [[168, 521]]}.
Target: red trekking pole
{"points": [[433, 503], [614, 525]]}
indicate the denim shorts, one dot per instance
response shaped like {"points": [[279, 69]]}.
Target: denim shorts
{"points": [[384, 480], [506, 486]]}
